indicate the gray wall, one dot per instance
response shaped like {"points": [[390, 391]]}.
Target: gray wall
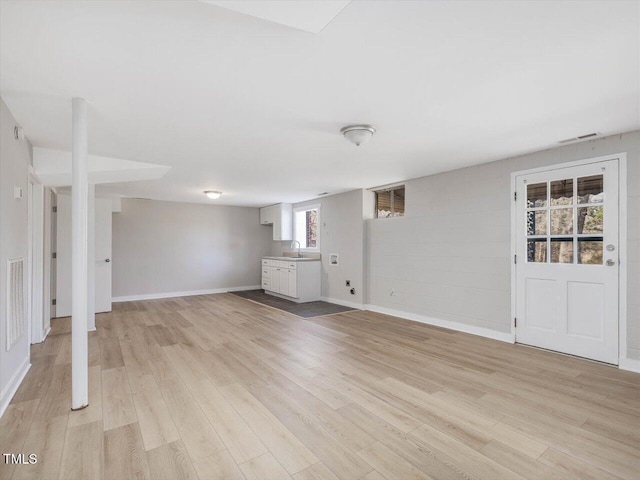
{"points": [[15, 158], [164, 247], [341, 232], [449, 258]]}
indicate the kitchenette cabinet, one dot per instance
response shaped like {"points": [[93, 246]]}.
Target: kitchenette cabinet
{"points": [[296, 279], [280, 216]]}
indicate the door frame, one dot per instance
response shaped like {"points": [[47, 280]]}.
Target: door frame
{"points": [[36, 259], [622, 241]]}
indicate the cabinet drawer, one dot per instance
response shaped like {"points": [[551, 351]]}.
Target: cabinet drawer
{"points": [[280, 264], [292, 265], [266, 262], [266, 283], [266, 272]]}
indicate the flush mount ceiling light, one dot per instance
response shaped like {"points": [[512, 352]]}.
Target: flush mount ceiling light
{"points": [[358, 134], [212, 194]]}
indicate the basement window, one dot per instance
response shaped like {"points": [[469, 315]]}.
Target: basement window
{"points": [[390, 202], [306, 227]]}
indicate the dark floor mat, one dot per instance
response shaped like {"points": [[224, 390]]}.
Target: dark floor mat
{"points": [[305, 310]]}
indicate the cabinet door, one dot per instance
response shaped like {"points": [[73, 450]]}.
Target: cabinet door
{"points": [[267, 215], [274, 281], [293, 287], [277, 223], [284, 281]]}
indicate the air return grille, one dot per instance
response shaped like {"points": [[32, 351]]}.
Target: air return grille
{"points": [[15, 301]]}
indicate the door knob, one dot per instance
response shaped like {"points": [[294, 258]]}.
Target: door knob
{"points": [[610, 263], [107, 260]]}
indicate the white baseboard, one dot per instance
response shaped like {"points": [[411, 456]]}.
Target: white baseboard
{"points": [[12, 387], [459, 327], [344, 303], [630, 364], [154, 296]]}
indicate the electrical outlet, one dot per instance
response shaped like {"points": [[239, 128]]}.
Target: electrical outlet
{"points": [[348, 283]]}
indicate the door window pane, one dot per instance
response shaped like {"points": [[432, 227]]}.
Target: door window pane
{"points": [[591, 220], [591, 189], [537, 223], [590, 251], [537, 251], [562, 192], [537, 195], [561, 250], [562, 221]]}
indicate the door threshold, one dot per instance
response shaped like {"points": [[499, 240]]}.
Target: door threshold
{"points": [[606, 364]]}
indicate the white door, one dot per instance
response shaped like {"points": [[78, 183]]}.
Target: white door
{"points": [[284, 281], [102, 253], [275, 279], [567, 260]]}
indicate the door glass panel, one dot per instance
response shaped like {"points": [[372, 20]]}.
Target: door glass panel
{"points": [[537, 250], [562, 221], [590, 220], [562, 192], [537, 223], [590, 251], [537, 195], [591, 189], [561, 250]]}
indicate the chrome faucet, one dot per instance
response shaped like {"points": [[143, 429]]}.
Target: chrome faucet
{"points": [[292, 246]]}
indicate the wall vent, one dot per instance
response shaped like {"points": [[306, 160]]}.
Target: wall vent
{"points": [[15, 301], [578, 138]]}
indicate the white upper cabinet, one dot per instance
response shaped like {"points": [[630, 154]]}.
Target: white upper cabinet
{"points": [[281, 217]]}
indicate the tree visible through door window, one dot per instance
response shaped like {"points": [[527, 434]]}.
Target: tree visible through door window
{"points": [[390, 202], [306, 227]]}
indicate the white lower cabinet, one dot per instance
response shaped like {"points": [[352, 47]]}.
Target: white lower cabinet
{"points": [[297, 280]]}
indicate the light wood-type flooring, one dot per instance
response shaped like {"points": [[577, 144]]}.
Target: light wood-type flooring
{"points": [[217, 387]]}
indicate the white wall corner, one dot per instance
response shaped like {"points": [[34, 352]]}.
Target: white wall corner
{"points": [[629, 364], [459, 327], [12, 387]]}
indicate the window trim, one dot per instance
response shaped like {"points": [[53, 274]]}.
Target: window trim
{"points": [[315, 206], [388, 188]]}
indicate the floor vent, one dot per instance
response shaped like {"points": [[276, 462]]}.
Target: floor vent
{"points": [[15, 301]]}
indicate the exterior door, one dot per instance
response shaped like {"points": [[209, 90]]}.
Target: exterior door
{"points": [[567, 260]]}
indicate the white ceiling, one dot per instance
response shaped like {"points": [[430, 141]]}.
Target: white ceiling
{"points": [[253, 108]]}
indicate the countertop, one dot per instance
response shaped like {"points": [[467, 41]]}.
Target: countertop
{"points": [[293, 259]]}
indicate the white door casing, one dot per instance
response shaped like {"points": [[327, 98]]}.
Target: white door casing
{"points": [[567, 269]]}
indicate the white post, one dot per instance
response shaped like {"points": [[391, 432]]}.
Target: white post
{"points": [[91, 254], [79, 258]]}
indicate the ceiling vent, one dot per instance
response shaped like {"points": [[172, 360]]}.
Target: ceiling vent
{"points": [[577, 139]]}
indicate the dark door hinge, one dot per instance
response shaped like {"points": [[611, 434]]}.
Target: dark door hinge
{"points": [[515, 259], [515, 322], [54, 209], [515, 196], [53, 302], [54, 255]]}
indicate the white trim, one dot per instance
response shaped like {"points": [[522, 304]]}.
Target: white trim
{"points": [[622, 243], [629, 364], [189, 293], [459, 327], [344, 303], [12, 387]]}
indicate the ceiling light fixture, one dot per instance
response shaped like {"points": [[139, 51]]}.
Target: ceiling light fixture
{"points": [[358, 134], [212, 194]]}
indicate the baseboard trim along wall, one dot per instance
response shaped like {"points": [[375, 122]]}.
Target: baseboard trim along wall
{"points": [[629, 364], [344, 303], [190, 293], [460, 327], [12, 387]]}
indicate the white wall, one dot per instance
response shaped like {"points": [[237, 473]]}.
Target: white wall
{"points": [[15, 158], [449, 258], [341, 232], [166, 247]]}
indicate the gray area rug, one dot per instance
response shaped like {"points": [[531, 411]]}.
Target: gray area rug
{"points": [[304, 310]]}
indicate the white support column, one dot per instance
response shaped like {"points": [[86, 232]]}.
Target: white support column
{"points": [[91, 254], [79, 257]]}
